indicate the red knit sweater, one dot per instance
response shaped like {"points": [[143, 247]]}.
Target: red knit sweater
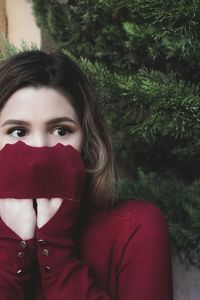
{"points": [[119, 254]]}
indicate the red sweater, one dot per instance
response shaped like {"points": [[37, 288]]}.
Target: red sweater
{"points": [[119, 254], [123, 254]]}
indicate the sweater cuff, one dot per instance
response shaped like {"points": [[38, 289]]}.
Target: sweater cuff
{"points": [[16, 255], [51, 256], [55, 240]]}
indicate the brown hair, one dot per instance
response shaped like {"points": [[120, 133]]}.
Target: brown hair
{"points": [[58, 71]]}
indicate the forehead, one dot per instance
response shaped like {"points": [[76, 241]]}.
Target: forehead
{"points": [[38, 102]]}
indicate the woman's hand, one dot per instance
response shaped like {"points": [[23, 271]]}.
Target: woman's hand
{"points": [[19, 215], [46, 209]]}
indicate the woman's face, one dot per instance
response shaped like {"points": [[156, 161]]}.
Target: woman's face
{"points": [[39, 117]]}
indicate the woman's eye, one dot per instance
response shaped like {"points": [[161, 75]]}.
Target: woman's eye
{"points": [[17, 132], [62, 131]]}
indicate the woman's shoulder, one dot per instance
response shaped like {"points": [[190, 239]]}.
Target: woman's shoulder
{"points": [[136, 220], [132, 213], [132, 208]]}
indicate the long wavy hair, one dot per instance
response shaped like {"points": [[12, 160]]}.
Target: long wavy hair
{"points": [[56, 70]]}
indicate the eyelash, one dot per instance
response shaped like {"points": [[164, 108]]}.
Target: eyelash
{"points": [[11, 130]]}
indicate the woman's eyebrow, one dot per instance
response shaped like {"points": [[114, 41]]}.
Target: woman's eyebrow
{"points": [[50, 122]]}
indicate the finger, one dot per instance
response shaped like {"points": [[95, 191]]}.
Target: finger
{"points": [[19, 215], [22, 206], [56, 203], [45, 204], [42, 204], [46, 209]]}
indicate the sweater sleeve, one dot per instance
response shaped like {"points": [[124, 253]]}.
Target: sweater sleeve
{"points": [[16, 259], [145, 268], [63, 275]]}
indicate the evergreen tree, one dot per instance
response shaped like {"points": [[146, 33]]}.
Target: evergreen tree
{"points": [[143, 60]]}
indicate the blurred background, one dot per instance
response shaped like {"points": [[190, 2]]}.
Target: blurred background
{"points": [[17, 22]]}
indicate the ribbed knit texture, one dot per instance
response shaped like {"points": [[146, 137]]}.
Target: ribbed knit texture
{"points": [[41, 172], [123, 253]]}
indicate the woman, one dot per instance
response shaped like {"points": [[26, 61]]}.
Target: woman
{"points": [[62, 234]]}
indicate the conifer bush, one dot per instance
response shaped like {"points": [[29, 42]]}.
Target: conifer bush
{"points": [[143, 59]]}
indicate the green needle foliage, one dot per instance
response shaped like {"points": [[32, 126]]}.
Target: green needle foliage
{"points": [[129, 34], [154, 119], [143, 59]]}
